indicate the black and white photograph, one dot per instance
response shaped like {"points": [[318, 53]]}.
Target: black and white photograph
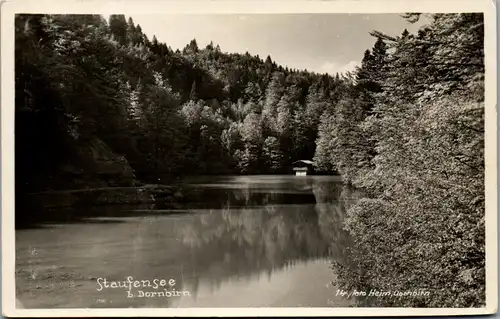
{"points": [[250, 159]]}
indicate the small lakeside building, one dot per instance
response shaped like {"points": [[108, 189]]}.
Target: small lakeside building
{"points": [[303, 167]]}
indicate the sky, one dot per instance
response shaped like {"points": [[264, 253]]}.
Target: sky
{"points": [[324, 43]]}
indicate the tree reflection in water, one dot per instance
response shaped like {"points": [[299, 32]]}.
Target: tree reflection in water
{"points": [[285, 222], [232, 229]]}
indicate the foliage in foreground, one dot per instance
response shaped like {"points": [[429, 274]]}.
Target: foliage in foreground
{"points": [[420, 224], [426, 230]]}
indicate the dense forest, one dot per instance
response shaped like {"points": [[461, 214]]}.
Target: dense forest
{"points": [[413, 140], [80, 80], [97, 102]]}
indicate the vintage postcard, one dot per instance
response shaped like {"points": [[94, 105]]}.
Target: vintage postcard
{"points": [[249, 158]]}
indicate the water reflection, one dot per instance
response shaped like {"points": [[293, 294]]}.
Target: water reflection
{"points": [[274, 233]]}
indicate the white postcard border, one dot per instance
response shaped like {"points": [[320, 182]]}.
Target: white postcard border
{"points": [[10, 8]]}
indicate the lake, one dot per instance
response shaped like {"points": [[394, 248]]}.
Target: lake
{"points": [[239, 241]]}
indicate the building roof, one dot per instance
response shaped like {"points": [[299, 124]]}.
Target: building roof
{"points": [[308, 162]]}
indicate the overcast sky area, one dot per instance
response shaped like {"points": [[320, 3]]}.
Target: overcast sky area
{"points": [[325, 43]]}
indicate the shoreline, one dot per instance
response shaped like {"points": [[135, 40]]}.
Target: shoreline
{"points": [[146, 194]]}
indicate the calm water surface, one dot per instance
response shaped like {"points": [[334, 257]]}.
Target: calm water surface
{"points": [[240, 241]]}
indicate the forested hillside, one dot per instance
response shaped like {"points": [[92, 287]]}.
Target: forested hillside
{"points": [[81, 81]]}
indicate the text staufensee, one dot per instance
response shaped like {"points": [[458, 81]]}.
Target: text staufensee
{"points": [[155, 287]]}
